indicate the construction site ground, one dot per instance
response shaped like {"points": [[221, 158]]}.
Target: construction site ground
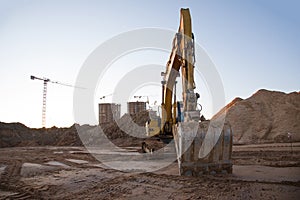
{"points": [[266, 171]]}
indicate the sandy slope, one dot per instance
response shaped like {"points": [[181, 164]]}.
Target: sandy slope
{"points": [[266, 116]]}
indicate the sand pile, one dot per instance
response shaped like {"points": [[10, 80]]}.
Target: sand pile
{"points": [[266, 116]]}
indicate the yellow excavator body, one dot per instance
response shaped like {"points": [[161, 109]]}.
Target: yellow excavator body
{"points": [[201, 146]]}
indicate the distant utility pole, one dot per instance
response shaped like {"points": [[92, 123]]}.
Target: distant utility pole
{"points": [[45, 83]]}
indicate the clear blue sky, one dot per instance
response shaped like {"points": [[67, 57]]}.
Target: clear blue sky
{"points": [[254, 44]]}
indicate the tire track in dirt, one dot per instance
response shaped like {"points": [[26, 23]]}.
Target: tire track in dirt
{"points": [[10, 181], [11, 175]]}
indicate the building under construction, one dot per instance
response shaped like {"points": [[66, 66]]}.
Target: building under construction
{"points": [[135, 107], [109, 112]]}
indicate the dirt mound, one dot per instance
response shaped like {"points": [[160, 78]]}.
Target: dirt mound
{"points": [[127, 131], [12, 134], [129, 128], [17, 134], [227, 107], [266, 116], [69, 137]]}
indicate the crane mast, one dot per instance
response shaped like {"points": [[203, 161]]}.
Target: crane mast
{"points": [[44, 102], [45, 85]]}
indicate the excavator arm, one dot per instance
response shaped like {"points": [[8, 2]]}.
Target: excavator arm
{"points": [[182, 58]]}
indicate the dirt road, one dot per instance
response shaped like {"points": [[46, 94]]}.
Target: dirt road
{"points": [[259, 172]]}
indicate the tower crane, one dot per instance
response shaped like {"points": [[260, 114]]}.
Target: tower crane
{"points": [[139, 97], [103, 97], [45, 83]]}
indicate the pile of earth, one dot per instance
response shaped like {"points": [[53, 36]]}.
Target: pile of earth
{"points": [[129, 125], [266, 116], [17, 134], [129, 130]]}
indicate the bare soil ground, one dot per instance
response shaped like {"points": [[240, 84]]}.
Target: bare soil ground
{"points": [[268, 171]]}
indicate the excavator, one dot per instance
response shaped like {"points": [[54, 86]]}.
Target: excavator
{"points": [[202, 146]]}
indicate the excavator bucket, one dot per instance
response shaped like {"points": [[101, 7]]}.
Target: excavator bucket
{"points": [[203, 148]]}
